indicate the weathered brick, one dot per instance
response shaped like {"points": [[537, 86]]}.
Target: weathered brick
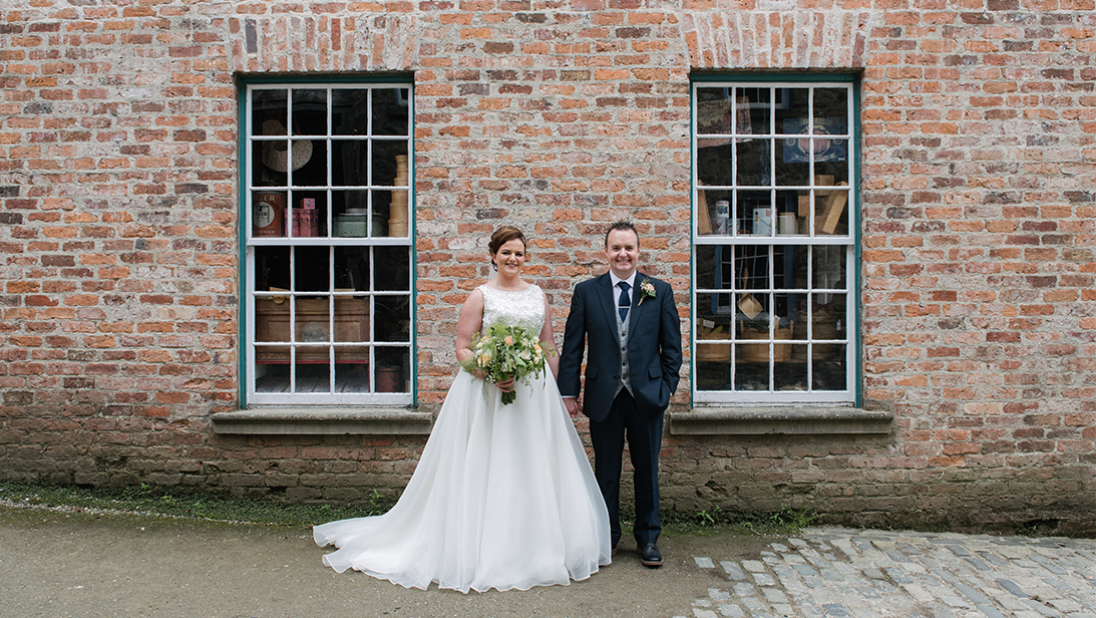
{"points": [[121, 258]]}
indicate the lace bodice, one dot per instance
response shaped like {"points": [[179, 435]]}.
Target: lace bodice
{"points": [[524, 308]]}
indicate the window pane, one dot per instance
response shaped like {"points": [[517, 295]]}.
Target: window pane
{"points": [[312, 318], [751, 371], [350, 111], [272, 377], [393, 321], [831, 159], [352, 369], [830, 371], [753, 213], [828, 266], [713, 111], [715, 311], [351, 319], [308, 214], [271, 321], [390, 111], [351, 269], [713, 344], [271, 269], [753, 162], [309, 112], [313, 374], [797, 275], [713, 212], [382, 211], [349, 163], [713, 374], [713, 163], [752, 267], [793, 162], [311, 269], [385, 162], [828, 320], [786, 221], [830, 103], [309, 163], [391, 374], [789, 373], [268, 213], [715, 267], [753, 110], [391, 269], [268, 105], [351, 210], [270, 158], [792, 114]]}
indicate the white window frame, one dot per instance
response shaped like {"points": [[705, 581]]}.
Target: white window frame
{"points": [[849, 241], [249, 143]]}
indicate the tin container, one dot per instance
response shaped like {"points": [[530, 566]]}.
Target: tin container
{"points": [[721, 225], [787, 224], [268, 214], [305, 220], [762, 221], [353, 223]]}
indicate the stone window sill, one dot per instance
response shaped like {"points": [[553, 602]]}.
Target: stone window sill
{"points": [[323, 421], [748, 420], [764, 420]]}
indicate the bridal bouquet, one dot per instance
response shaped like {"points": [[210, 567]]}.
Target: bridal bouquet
{"points": [[504, 352]]}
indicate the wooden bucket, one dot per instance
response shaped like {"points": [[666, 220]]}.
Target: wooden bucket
{"points": [[759, 352]]}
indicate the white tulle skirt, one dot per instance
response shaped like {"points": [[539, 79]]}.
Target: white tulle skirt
{"points": [[503, 497]]}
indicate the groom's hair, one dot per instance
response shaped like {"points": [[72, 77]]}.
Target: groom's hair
{"points": [[621, 225]]}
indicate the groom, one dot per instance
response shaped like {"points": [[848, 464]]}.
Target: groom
{"points": [[631, 327]]}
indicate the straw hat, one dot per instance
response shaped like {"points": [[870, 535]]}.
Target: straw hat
{"points": [[274, 151]]}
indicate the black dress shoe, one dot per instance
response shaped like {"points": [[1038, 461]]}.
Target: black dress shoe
{"points": [[650, 556]]}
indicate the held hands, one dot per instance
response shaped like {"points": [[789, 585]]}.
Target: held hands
{"points": [[574, 406]]}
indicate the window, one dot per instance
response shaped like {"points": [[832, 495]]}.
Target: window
{"points": [[328, 276], [774, 192]]}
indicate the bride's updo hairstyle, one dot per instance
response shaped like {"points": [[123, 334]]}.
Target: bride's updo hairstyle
{"points": [[504, 235]]}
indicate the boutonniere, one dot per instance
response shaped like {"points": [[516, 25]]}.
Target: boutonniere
{"points": [[646, 290]]}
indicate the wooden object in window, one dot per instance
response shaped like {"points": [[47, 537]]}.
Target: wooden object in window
{"points": [[351, 324], [831, 213]]}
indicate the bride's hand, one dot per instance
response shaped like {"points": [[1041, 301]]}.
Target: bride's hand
{"points": [[505, 385]]}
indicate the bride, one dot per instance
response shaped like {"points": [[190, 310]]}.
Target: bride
{"points": [[503, 496]]}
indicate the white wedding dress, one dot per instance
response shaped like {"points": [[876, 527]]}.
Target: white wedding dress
{"points": [[503, 496]]}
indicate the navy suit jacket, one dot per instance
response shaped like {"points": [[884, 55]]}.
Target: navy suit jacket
{"points": [[654, 347]]}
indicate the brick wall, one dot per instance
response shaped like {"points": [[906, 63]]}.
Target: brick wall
{"points": [[119, 252]]}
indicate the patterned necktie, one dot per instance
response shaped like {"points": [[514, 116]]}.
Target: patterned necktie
{"points": [[625, 301]]}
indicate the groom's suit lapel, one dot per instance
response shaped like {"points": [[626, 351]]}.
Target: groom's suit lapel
{"points": [[637, 296], [609, 306], [605, 293]]}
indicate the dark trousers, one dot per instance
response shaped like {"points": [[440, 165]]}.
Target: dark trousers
{"points": [[644, 436]]}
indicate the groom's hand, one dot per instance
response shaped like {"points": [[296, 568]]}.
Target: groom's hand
{"points": [[573, 406]]}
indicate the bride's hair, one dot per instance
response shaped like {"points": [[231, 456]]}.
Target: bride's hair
{"points": [[504, 235]]}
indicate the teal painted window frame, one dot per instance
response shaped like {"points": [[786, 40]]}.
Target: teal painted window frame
{"points": [[852, 395], [244, 84]]}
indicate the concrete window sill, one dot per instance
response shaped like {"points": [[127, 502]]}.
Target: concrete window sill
{"points": [[763, 420], [323, 421]]}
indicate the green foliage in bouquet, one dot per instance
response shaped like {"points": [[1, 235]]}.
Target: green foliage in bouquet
{"points": [[504, 352]]}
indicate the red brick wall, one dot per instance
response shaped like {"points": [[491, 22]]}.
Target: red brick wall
{"points": [[119, 253]]}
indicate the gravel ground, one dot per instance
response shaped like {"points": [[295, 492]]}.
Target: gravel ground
{"points": [[59, 564]]}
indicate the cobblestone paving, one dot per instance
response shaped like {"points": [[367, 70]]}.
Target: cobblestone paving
{"points": [[867, 574]]}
